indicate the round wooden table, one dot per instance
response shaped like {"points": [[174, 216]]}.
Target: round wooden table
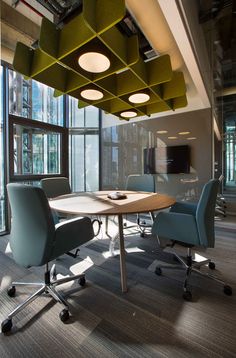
{"points": [[97, 203]]}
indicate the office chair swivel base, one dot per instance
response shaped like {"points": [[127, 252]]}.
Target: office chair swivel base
{"points": [[48, 287], [141, 225], [194, 266]]}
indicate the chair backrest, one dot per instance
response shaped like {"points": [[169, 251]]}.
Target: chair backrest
{"points": [[206, 212], [55, 186], [32, 228], [139, 182]]}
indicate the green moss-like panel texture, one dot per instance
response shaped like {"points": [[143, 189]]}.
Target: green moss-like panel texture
{"points": [[55, 63]]}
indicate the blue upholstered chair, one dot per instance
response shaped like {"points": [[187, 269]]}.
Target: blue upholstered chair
{"points": [[190, 225], [35, 241], [54, 187], [57, 186], [137, 182]]}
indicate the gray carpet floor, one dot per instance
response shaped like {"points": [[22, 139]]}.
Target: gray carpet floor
{"points": [[150, 320]]}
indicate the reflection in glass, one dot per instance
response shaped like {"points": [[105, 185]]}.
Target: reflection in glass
{"points": [[31, 99], [2, 194], [76, 151], [84, 147], [91, 116], [92, 160], [76, 115], [122, 153], [36, 151]]}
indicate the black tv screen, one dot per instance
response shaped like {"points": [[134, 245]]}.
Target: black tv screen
{"points": [[167, 160]]}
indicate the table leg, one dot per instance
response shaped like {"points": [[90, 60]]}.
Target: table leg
{"points": [[122, 255]]}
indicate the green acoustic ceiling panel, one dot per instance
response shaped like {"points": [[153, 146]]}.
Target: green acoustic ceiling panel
{"points": [[55, 63]]}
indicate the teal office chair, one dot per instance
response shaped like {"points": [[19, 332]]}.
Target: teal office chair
{"points": [[137, 182], [54, 187], [35, 241], [190, 225], [57, 186]]}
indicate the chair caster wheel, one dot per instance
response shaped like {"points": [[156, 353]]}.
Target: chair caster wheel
{"points": [[212, 265], [228, 290], [158, 271], [64, 315], [187, 296], [6, 325], [82, 281], [142, 234], [11, 291]]}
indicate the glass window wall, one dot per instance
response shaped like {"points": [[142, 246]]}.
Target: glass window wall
{"points": [[83, 147], [31, 99], [36, 151], [2, 191]]}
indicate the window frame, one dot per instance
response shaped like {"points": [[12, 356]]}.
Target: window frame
{"points": [[46, 127]]}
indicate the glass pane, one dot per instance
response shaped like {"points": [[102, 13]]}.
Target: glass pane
{"points": [[92, 162], [77, 162], [31, 99], [91, 116], [2, 194], [122, 153], [76, 115], [36, 151]]}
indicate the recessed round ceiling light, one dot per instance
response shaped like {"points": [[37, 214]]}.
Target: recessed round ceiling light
{"points": [[128, 114], [191, 138], [172, 137], [139, 98], [94, 62], [184, 133], [162, 132], [91, 94]]}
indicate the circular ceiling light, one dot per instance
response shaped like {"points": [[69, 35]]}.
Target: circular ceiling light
{"points": [[91, 94], [191, 138], [139, 98], [172, 137], [184, 133], [128, 114], [162, 132], [94, 62]]}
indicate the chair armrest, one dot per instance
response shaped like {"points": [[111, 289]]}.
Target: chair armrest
{"points": [[176, 226], [72, 233], [185, 208]]}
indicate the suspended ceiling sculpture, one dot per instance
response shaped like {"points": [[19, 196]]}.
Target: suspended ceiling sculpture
{"points": [[91, 60]]}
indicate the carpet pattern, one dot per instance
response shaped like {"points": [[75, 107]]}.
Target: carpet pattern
{"points": [[151, 320]]}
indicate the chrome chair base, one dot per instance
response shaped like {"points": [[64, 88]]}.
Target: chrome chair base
{"points": [[141, 224], [48, 287], [190, 265]]}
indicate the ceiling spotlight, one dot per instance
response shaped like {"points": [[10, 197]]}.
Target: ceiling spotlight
{"points": [[94, 62], [139, 98], [162, 132], [191, 138], [184, 133], [128, 114], [91, 94], [172, 137]]}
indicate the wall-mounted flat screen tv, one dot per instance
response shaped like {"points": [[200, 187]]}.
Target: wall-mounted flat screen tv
{"points": [[167, 160]]}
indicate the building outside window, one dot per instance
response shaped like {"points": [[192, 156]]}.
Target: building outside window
{"points": [[2, 181], [83, 147], [38, 137]]}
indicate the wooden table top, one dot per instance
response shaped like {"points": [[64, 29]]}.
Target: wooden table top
{"points": [[97, 203]]}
